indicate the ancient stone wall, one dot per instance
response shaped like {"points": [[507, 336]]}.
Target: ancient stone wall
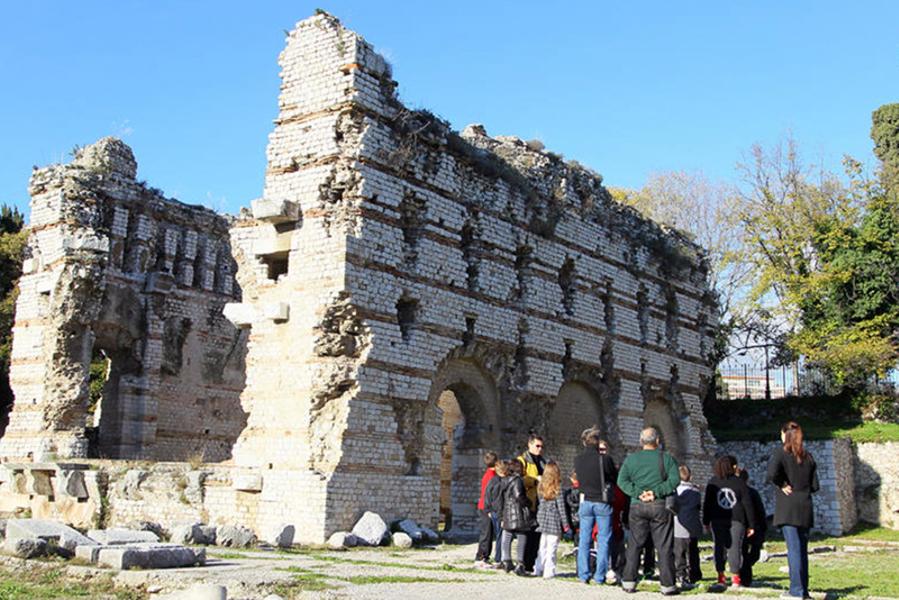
{"points": [[834, 505], [134, 282], [392, 260]]}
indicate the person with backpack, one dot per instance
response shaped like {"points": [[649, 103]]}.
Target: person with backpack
{"points": [[596, 475], [649, 476], [794, 474], [727, 511]]}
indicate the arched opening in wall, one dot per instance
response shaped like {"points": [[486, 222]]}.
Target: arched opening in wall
{"points": [[453, 424], [659, 413], [465, 416], [577, 407]]}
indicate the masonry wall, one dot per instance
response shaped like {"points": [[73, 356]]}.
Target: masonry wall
{"points": [[419, 261], [120, 274], [835, 505]]}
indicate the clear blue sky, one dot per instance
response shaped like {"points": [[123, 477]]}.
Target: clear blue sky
{"points": [[627, 88]]}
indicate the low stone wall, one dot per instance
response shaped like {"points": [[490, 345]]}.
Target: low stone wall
{"points": [[835, 505], [877, 483]]}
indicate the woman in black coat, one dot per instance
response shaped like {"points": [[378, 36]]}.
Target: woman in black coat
{"points": [[793, 472], [516, 518], [727, 511]]}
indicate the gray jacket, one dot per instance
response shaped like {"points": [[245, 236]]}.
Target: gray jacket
{"points": [[687, 523]]}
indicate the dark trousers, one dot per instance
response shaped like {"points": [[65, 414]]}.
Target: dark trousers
{"points": [[485, 537], [728, 537], [752, 550], [650, 520], [686, 559], [649, 557], [531, 548], [797, 559]]}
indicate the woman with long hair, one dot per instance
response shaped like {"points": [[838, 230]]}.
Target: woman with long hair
{"points": [[794, 474]]}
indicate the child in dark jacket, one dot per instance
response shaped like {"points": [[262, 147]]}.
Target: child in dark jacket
{"points": [[485, 523], [516, 519], [752, 547], [552, 520], [493, 501], [687, 530], [728, 510]]}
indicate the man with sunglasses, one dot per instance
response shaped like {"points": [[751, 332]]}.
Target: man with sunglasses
{"points": [[532, 462]]}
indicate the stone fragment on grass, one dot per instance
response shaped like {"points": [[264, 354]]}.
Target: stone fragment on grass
{"points": [[370, 530], [235, 536], [342, 539], [401, 540], [26, 547]]}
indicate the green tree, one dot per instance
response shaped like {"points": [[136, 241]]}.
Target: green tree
{"points": [[13, 237], [885, 133]]}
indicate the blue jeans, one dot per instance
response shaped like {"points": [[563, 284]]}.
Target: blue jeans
{"points": [[797, 559], [497, 535], [601, 514]]}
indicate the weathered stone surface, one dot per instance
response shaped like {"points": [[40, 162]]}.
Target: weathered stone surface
{"points": [[25, 547], [370, 529], [342, 539], [150, 556], [112, 537], [235, 536], [401, 540], [199, 591], [88, 553], [250, 482], [411, 528], [194, 533], [280, 536], [64, 539], [71, 483], [275, 211]]}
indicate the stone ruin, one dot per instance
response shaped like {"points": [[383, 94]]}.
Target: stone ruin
{"points": [[401, 299]]}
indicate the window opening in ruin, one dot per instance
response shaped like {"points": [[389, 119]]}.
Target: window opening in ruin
{"points": [[643, 313], [469, 243], [406, 309], [608, 309], [412, 209], [98, 375], [468, 336], [672, 327], [523, 258], [276, 264], [568, 284], [453, 426]]}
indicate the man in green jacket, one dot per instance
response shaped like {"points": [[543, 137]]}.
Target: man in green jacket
{"points": [[648, 479]]}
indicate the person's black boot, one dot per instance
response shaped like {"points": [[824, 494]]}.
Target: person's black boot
{"points": [[508, 566], [521, 571]]}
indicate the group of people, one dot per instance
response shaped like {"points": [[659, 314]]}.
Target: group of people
{"points": [[624, 520]]}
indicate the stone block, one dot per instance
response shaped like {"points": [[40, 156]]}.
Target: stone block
{"points": [[273, 244], [240, 314], [71, 483], [63, 537], [235, 536], [411, 528], [88, 553], [194, 533], [280, 536], [401, 540], [39, 482], [370, 530], [342, 539], [159, 283], [200, 591], [249, 482], [150, 556], [115, 537], [275, 211], [278, 312], [25, 547]]}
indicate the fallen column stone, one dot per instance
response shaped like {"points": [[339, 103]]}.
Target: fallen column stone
{"points": [[57, 535], [150, 556], [370, 529], [113, 537]]}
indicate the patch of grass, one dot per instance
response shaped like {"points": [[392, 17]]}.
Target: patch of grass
{"points": [[841, 574], [869, 431], [36, 583]]}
